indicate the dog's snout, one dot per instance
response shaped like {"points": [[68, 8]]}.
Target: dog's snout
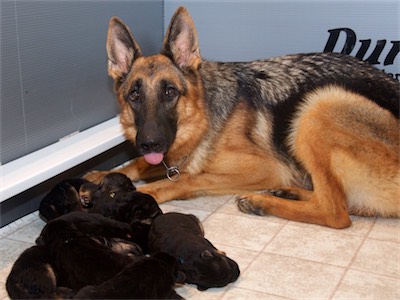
{"points": [[151, 138], [151, 146]]}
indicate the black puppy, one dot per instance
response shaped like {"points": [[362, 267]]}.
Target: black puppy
{"points": [[77, 251], [146, 278], [108, 189], [65, 197], [117, 199], [137, 209], [182, 236], [32, 277], [78, 194], [114, 234]]}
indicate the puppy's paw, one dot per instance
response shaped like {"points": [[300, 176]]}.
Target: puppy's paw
{"points": [[95, 176], [247, 205]]}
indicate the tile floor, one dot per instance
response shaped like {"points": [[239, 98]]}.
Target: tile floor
{"points": [[279, 259]]}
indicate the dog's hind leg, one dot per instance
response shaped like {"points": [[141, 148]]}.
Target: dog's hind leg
{"points": [[326, 205], [350, 148]]}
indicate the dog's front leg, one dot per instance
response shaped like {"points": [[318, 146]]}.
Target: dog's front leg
{"points": [[190, 186], [138, 169]]}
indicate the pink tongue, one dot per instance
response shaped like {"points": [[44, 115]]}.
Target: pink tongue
{"points": [[154, 158]]}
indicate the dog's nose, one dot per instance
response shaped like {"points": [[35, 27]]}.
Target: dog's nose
{"points": [[150, 146]]}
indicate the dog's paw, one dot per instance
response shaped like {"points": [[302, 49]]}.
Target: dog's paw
{"points": [[95, 176], [247, 206]]}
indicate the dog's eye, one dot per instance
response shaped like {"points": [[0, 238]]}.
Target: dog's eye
{"points": [[170, 92], [134, 94]]}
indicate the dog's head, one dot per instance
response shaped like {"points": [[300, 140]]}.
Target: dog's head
{"points": [[57, 232], [135, 208], [113, 186], [157, 92], [172, 265], [209, 268], [115, 182], [62, 199]]}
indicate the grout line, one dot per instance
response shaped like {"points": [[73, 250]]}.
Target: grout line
{"points": [[260, 252], [348, 267]]}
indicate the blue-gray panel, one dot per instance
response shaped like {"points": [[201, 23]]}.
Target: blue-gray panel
{"points": [[232, 30], [53, 67]]}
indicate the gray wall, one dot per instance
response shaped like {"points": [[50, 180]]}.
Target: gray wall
{"points": [[232, 30], [53, 63], [53, 76]]}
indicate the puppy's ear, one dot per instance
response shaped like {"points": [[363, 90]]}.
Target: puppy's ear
{"points": [[220, 252], [206, 254], [122, 49], [180, 277], [181, 43]]}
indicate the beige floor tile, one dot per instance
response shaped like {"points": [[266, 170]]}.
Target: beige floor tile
{"points": [[230, 207], [360, 226], [311, 243], [242, 257], [290, 277], [203, 203], [238, 293], [201, 214], [378, 257], [242, 231], [3, 292], [189, 291], [360, 285], [3, 278], [10, 250], [24, 221], [8, 229], [28, 233], [386, 230]]}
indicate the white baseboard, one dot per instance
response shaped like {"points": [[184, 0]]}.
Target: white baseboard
{"points": [[34, 168]]}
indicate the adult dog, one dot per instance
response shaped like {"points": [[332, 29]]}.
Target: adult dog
{"points": [[320, 128]]}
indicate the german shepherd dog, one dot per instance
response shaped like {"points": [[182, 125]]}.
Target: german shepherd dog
{"points": [[306, 137]]}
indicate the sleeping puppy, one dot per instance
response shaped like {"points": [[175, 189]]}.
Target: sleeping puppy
{"points": [[78, 194], [146, 278], [66, 197], [182, 236], [115, 182], [114, 234], [77, 251], [137, 209], [33, 277], [117, 199], [108, 189], [96, 225]]}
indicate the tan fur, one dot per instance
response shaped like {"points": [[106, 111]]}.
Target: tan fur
{"points": [[351, 148]]}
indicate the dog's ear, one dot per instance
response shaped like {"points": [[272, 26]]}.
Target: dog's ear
{"points": [[206, 254], [181, 42], [180, 277], [122, 49]]}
